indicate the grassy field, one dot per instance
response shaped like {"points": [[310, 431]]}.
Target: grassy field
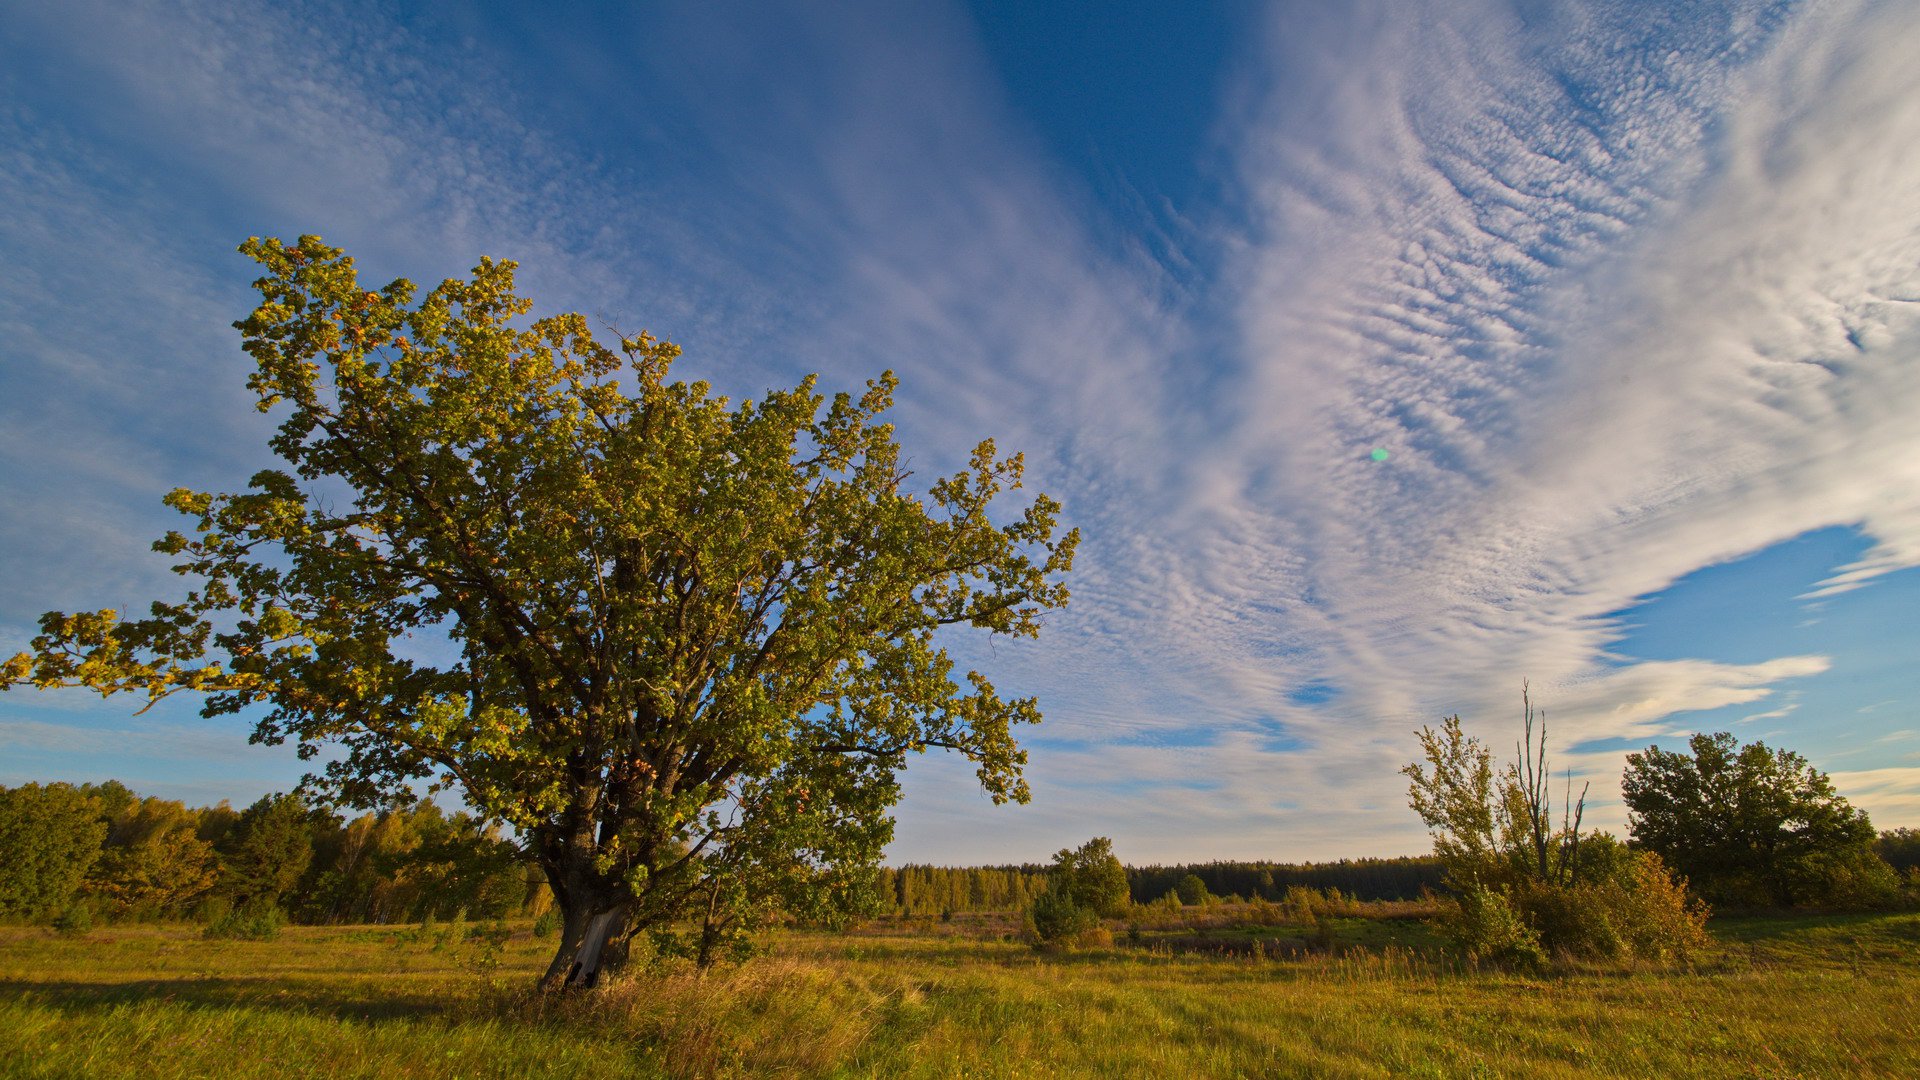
{"points": [[1809, 997]]}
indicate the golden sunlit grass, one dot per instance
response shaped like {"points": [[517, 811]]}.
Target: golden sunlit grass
{"points": [[1811, 997]]}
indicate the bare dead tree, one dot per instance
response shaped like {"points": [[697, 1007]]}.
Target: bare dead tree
{"points": [[1555, 852]]}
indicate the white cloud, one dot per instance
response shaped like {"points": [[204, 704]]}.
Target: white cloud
{"points": [[1890, 796]]}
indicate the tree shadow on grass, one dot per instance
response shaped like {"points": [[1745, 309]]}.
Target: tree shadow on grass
{"points": [[229, 992]]}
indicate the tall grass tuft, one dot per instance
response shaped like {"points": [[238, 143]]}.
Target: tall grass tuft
{"points": [[779, 1017]]}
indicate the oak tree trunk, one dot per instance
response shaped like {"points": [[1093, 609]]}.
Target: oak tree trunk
{"points": [[592, 943]]}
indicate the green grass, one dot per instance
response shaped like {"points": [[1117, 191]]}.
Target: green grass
{"points": [[1814, 997]]}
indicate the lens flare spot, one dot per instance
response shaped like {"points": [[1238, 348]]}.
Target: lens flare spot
{"points": [[1380, 453]]}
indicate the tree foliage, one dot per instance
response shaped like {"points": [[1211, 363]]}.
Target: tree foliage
{"points": [[917, 889], [160, 860], [1900, 849], [154, 865], [688, 643], [410, 863], [1752, 825], [1454, 794], [1192, 891]]}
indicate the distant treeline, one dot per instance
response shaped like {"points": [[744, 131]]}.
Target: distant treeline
{"points": [[917, 889], [122, 857], [936, 890], [1403, 878], [118, 856]]}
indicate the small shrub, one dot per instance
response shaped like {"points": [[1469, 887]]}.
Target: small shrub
{"points": [[486, 947], [496, 932], [1639, 911], [1656, 918], [212, 910], [1321, 933], [248, 924], [75, 920], [1304, 905], [546, 924]]}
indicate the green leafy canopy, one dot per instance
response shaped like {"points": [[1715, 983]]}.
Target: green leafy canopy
{"points": [[1752, 824]]}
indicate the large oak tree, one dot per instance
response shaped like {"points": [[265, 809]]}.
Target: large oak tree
{"points": [[681, 645]]}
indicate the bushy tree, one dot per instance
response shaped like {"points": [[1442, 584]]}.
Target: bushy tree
{"points": [[693, 641], [1192, 891], [1529, 887], [49, 837], [1091, 876], [1752, 825], [1084, 885]]}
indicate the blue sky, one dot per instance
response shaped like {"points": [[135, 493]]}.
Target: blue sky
{"points": [[1628, 292]]}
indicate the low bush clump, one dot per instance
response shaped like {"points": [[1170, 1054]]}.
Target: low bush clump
{"points": [[248, 924], [1637, 912]]}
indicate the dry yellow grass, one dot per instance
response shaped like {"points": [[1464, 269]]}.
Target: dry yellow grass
{"points": [[1800, 998]]}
